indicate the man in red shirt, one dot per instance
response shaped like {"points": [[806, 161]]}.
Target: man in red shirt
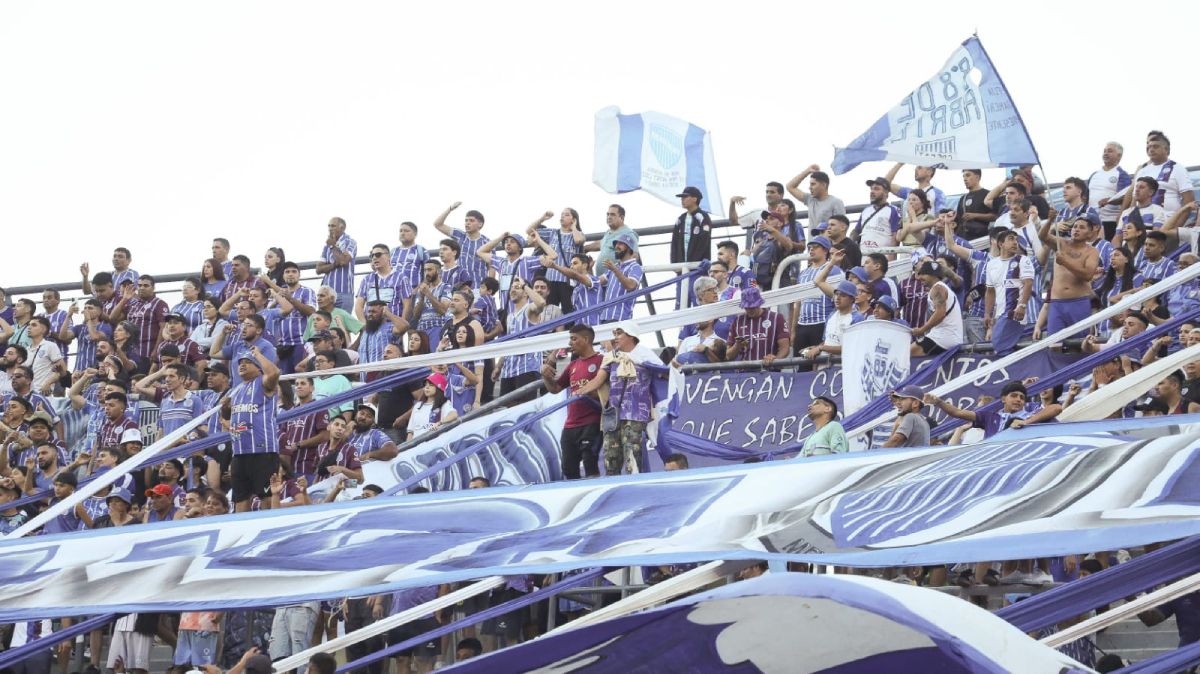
{"points": [[759, 333], [581, 437]]}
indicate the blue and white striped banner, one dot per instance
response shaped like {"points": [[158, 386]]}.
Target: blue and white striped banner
{"points": [[1023, 499], [962, 117], [657, 153]]}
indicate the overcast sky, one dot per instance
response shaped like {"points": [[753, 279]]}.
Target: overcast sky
{"points": [[158, 125]]}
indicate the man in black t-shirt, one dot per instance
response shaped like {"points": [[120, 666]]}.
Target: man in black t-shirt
{"points": [[973, 214]]}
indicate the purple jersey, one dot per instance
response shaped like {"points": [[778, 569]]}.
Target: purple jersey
{"points": [[252, 421], [524, 267], [473, 266], [148, 316], [761, 334], [192, 312], [234, 287], [367, 441], [584, 297], [341, 279], [409, 262], [295, 431], [631, 396], [613, 289], [392, 289], [85, 346], [189, 351], [175, 413], [484, 310]]}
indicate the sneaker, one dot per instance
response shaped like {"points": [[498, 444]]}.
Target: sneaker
{"points": [[1040, 578], [1017, 577], [992, 577]]}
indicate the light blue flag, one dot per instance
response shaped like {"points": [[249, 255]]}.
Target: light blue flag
{"points": [[657, 153], [960, 118]]}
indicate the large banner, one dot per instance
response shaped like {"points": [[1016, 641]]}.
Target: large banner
{"points": [[1007, 500], [760, 411], [529, 456], [875, 359], [765, 412], [962, 117], [751, 627]]}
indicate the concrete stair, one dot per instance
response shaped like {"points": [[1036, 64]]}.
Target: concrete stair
{"points": [[1134, 641]]}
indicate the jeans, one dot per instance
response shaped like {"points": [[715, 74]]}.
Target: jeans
{"points": [[292, 629]]}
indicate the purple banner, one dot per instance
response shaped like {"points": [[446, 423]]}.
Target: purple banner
{"points": [[757, 410], [766, 411]]}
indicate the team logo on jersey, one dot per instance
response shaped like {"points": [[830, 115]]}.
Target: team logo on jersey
{"points": [[591, 368], [766, 324]]}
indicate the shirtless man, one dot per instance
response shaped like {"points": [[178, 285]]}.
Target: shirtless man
{"points": [[1075, 266]]}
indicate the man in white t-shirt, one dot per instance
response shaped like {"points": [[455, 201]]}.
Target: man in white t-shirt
{"points": [[879, 221], [843, 317], [1174, 185], [44, 357], [1106, 185]]}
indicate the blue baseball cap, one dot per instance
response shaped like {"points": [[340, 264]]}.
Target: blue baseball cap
{"points": [[860, 274], [821, 226], [822, 241], [911, 391], [887, 301], [118, 492], [518, 238], [626, 239], [847, 288]]}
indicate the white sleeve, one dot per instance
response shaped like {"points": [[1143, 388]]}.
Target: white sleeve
{"points": [[1026, 267]]}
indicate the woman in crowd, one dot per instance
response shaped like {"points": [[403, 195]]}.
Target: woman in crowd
{"points": [[418, 343], [1131, 237], [1122, 277], [211, 324], [191, 307], [917, 219], [464, 380], [433, 410], [273, 261], [125, 338], [212, 277]]}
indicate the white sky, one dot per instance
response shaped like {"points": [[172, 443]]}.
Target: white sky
{"points": [[158, 125]]}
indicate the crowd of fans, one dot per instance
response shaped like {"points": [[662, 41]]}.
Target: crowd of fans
{"points": [[997, 265]]}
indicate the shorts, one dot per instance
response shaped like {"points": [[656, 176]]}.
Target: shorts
{"points": [[929, 346], [1065, 313], [805, 336], [132, 648], [196, 647], [428, 649], [508, 625], [251, 475]]}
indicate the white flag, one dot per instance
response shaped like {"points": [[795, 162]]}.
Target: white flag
{"points": [[875, 358], [656, 153], [962, 117]]}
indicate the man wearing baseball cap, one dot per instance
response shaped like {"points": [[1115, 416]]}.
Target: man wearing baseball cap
{"points": [[911, 428], [622, 276], [828, 436], [942, 326], [691, 239], [844, 294], [759, 333], [879, 221], [815, 311], [253, 406]]}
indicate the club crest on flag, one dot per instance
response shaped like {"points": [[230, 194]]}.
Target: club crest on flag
{"points": [[666, 145], [881, 371]]}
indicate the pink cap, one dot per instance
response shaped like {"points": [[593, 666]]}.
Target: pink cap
{"points": [[437, 379]]}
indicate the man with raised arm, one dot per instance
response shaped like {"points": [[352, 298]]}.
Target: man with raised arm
{"points": [[252, 406], [1074, 268], [922, 175], [470, 239], [820, 203]]}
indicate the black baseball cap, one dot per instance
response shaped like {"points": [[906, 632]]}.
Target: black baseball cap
{"points": [[690, 191]]}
